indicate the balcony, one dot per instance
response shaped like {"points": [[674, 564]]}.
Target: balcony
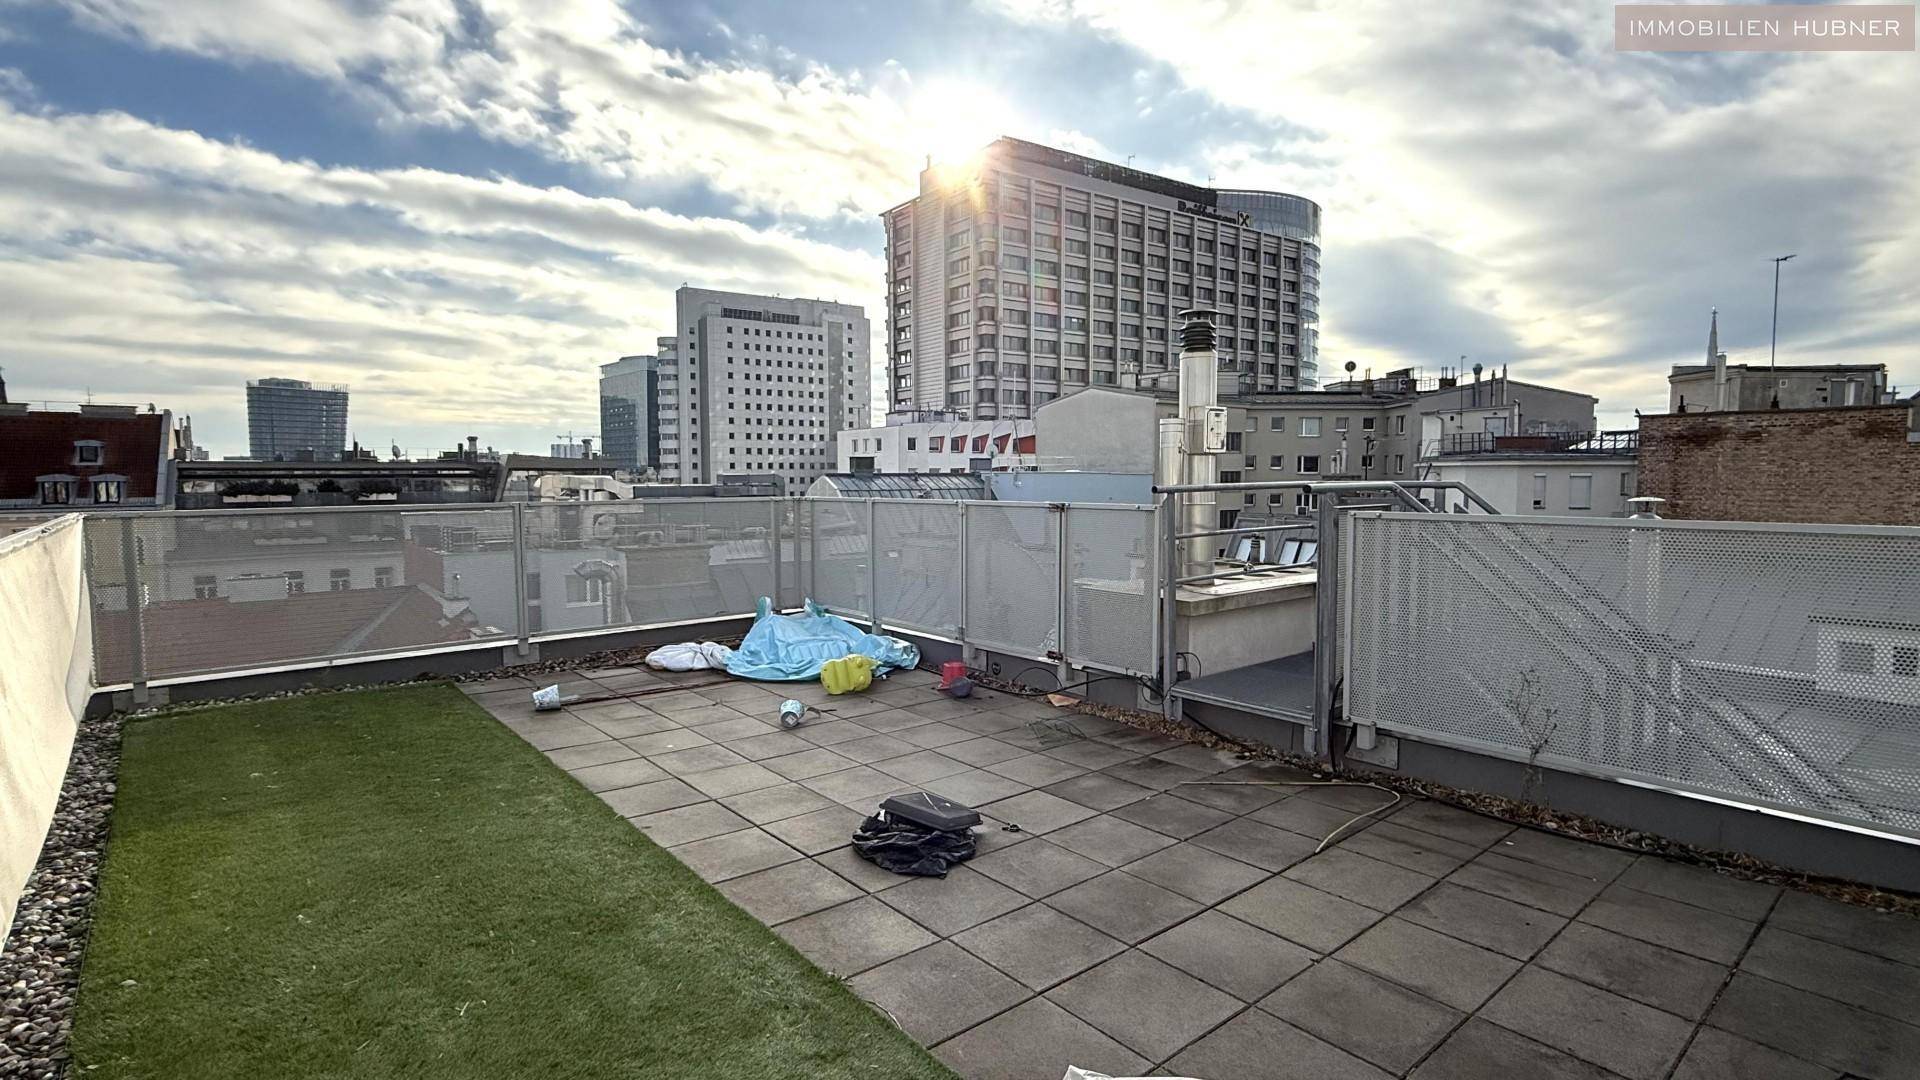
{"points": [[1597, 443], [354, 883]]}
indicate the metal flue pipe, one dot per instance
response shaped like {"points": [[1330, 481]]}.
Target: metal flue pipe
{"points": [[1199, 392]]}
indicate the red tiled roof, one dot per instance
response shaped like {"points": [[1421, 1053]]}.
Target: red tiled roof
{"points": [[40, 443], [184, 636]]}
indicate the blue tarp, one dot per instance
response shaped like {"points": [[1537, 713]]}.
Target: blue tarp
{"points": [[788, 648]]}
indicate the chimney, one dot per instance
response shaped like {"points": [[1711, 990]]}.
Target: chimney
{"points": [[473, 448], [586, 446], [1199, 398]]}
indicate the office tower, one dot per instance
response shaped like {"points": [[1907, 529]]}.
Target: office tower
{"points": [[295, 420], [759, 384], [630, 413], [1026, 273]]}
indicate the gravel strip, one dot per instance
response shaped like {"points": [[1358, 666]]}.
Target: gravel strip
{"points": [[40, 967]]}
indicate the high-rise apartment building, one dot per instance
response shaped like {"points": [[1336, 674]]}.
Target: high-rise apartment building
{"points": [[759, 384], [630, 412], [1028, 273], [295, 420]]}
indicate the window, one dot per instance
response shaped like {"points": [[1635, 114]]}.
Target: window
{"points": [[1130, 230], [1400, 424], [205, 587], [1853, 657], [1366, 423], [1077, 218], [1339, 423], [296, 582], [1278, 462], [1399, 463], [1309, 427], [1233, 442], [383, 577], [107, 490], [1539, 491], [959, 292], [1580, 491], [1046, 212], [339, 579], [1102, 224], [1076, 247], [584, 590], [1307, 463], [88, 452], [1013, 262], [56, 492]]}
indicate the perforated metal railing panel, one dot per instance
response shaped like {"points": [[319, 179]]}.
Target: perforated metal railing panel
{"points": [[1111, 605], [1775, 665], [917, 576], [1013, 577], [621, 563], [836, 545]]}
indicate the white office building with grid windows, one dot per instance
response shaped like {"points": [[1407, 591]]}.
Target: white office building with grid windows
{"points": [[1029, 273], [759, 384]]}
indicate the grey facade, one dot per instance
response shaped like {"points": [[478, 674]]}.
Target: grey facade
{"points": [[630, 413], [760, 384], [295, 420], [1033, 273], [1751, 387]]}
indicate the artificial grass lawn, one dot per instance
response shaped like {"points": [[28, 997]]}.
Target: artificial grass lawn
{"points": [[389, 883]]}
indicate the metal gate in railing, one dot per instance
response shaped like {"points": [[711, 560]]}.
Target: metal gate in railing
{"points": [[1772, 665]]}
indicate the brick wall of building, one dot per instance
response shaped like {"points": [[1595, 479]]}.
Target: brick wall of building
{"points": [[1836, 465]]}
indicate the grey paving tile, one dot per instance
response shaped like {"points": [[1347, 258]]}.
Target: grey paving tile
{"points": [[1728, 895], [1448, 970], [872, 748], [733, 855], [1232, 796], [1196, 873], [808, 763], [734, 779], [1110, 840], [701, 716], [987, 723], [942, 707], [976, 787], [1173, 815], [674, 701], [1259, 1046], [1035, 1039], [1363, 1014], [1091, 754], [848, 706], [1610, 1031], [1706, 934], [774, 802], [1451, 822], [1309, 818], [1528, 883], [1680, 984], [922, 767], [1351, 876], [1035, 769], [557, 734], [1037, 945], [846, 862], [982, 751], [934, 735], [665, 742], [1863, 979], [1432, 855], [1817, 1029], [1230, 955], [650, 798], [1570, 856], [686, 824], [1037, 868], [730, 731], [600, 753], [938, 991], [854, 936], [832, 732], [1259, 845], [1486, 920], [1896, 937], [1717, 1055], [1098, 791], [1037, 812], [789, 891], [1149, 1006], [1123, 906], [633, 726], [769, 744], [1152, 773], [819, 831], [948, 905], [886, 721], [1354, 797], [1301, 914], [861, 783], [697, 759], [1204, 759], [1479, 1051]]}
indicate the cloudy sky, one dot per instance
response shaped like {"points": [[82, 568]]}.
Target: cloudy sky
{"points": [[461, 207]]}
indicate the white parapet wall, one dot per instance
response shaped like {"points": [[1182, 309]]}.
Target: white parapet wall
{"points": [[46, 669]]}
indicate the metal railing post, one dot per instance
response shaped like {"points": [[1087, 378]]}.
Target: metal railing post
{"points": [[873, 572], [773, 537], [1064, 668], [522, 617], [961, 607], [136, 628], [1326, 597], [1169, 518]]}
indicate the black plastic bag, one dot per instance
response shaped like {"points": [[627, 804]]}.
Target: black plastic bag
{"points": [[904, 847]]}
